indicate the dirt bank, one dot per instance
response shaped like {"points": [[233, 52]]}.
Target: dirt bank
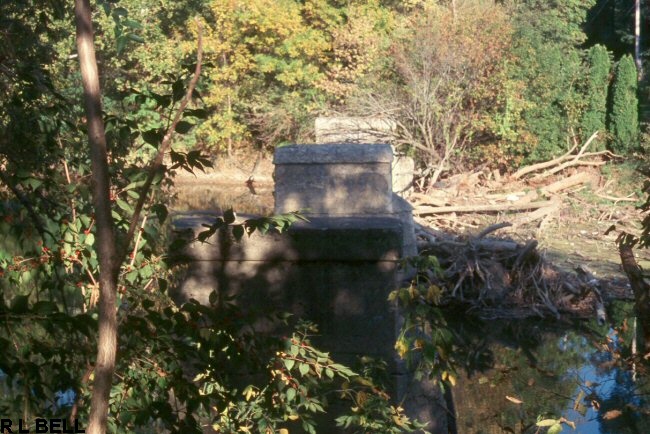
{"points": [[235, 170]]}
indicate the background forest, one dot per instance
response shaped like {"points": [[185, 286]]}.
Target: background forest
{"points": [[468, 84]]}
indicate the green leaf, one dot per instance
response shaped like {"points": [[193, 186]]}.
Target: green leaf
{"points": [[555, 429], [131, 23], [303, 368], [183, 127], [291, 394], [124, 205], [162, 100], [33, 183], [178, 90], [120, 12], [238, 232], [90, 240], [205, 235], [136, 38], [131, 276], [288, 363], [161, 212], [547, 422], [20, 304], [120, 43], [197, 113], [153, 137], [229, 216]]}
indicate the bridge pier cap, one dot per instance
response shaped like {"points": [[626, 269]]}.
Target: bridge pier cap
{"points": [[339, 179]]}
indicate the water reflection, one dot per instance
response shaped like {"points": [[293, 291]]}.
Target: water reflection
{"points": [[518, 372], [257, 199]]}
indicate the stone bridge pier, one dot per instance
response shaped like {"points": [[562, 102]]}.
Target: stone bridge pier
{"points": [[335, 270]]}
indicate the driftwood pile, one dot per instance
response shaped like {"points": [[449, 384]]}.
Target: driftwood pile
{"points": [[506, 279], [532, 194]]}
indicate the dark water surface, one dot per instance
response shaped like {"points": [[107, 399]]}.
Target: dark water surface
{"points": [[518, 372]]}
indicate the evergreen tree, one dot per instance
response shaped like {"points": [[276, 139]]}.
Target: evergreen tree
{"points": [[624, 119], [595, 114], [548, 65]]}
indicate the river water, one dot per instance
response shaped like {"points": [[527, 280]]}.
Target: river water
{"points": [[512, 374]]}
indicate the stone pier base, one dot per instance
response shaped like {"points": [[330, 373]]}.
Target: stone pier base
{"points": [[336, 270]]}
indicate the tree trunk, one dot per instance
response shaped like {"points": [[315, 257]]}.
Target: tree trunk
{"points": [[637, 38], [641, 292], [106, 247]]}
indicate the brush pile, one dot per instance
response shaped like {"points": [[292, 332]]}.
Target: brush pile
{"points": [[506, 279], [533, 194]]}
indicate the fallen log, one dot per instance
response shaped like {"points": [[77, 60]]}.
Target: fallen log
{"points": [[563, 166], [571, 181], [481, 208], [617, 199], [427, 199], [540, 213], [546, 164], [543, 165]]}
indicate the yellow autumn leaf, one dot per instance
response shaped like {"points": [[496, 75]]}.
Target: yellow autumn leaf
{"points": [[362, 397], [249, 393], [547, 422], [401, 348], [612, 414]]}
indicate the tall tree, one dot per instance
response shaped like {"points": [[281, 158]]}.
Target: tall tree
{"points": [[637, 37], [595, 114], [107, 249], [624, 118], [548, 61], [109, 253]]}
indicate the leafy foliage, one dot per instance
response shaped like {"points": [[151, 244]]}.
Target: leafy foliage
{"points": [[440, 86], [279, 223], [548, 63], [179, 368], [595, 114], [426, 341], [508, 77], [624, 120]]}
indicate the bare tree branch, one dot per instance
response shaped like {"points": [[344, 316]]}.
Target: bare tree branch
{"points": [[157, 162]]}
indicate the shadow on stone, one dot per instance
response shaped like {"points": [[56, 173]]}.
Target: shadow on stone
{"points": [[336, 270]]}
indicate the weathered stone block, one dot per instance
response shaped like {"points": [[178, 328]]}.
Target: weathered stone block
{"points": [[403, 170], [350, 129], [333, 180]]}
